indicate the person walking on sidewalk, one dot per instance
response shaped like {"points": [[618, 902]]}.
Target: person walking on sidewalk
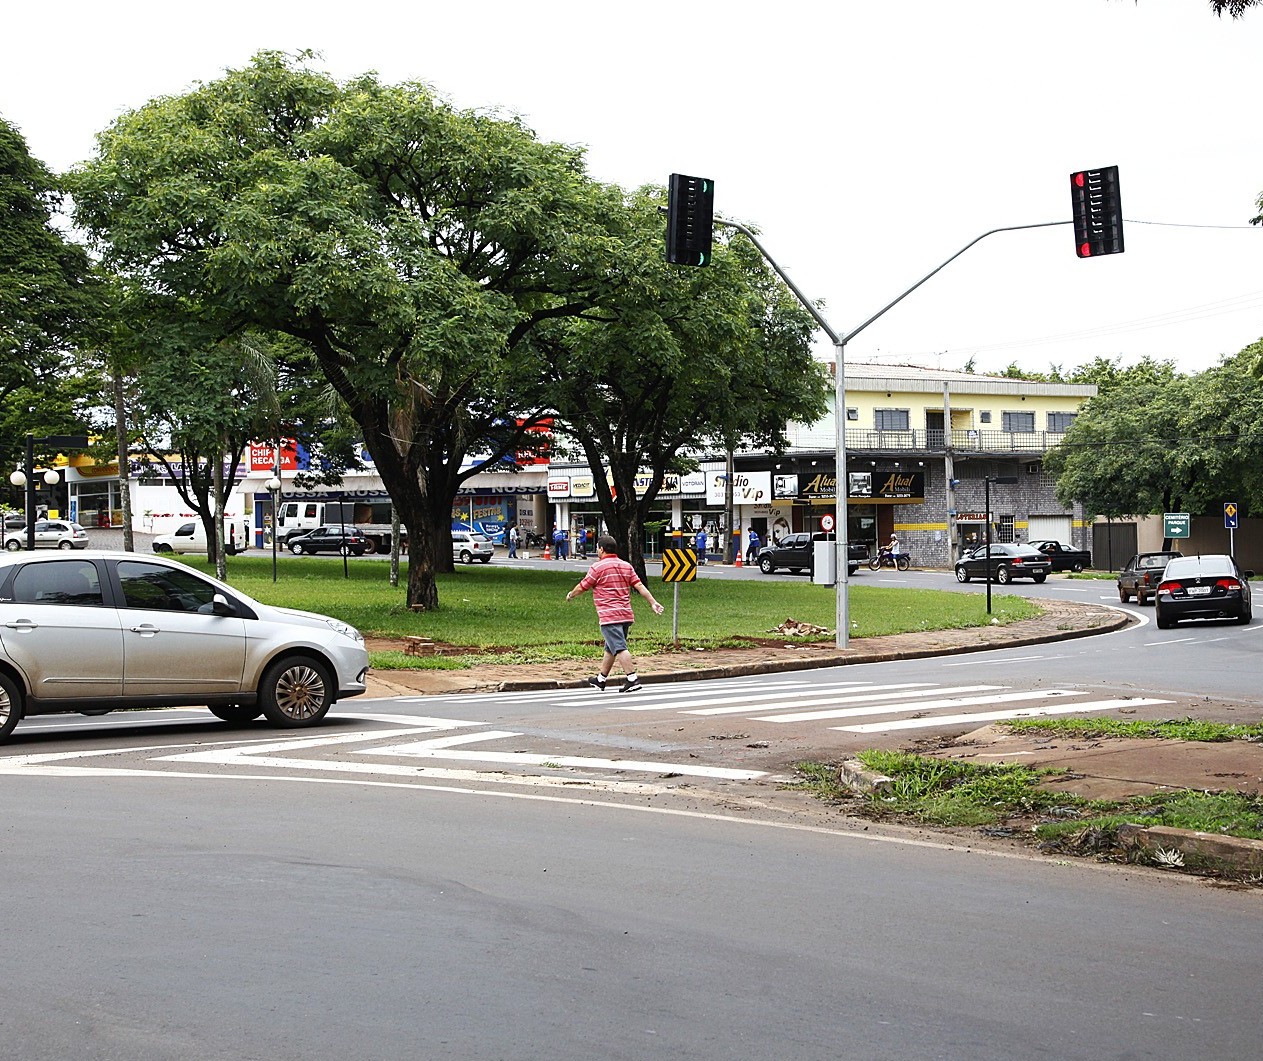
{"points": [[611, 580], [514, 537]]}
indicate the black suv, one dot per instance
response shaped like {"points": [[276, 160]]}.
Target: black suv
{"points": [[796, 552]]}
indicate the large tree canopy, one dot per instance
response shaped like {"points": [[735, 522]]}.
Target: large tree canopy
{"points": [[44, 303], [412, 246]]}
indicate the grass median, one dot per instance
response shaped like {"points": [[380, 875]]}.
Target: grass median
{"points": [[496, 606]]}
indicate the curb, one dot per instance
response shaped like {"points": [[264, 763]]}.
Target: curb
{"points": [[1116, 622], [1243, 855], [860, 779]]}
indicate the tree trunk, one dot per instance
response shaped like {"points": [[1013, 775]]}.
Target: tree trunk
{"points": [[124, 462]]}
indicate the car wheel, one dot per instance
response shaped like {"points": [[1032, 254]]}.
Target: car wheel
{"points": [[1140, 598], [466, 557], [163, 548], [961, 574], [1039, 578], [795, 570], [371, 547], [236, 714], [766, 565], [1123, 595], [13, 545], [345, 550], [1076, 567], [65, 545], [1163, 622], [485, 559], [296, 691], [93, 712], [10, 706], [1002, 575], [296, 549]]}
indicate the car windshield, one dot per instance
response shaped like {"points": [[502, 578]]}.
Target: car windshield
{"points": [[479, 538], [1154, 561]]}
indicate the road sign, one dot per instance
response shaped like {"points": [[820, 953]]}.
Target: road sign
{"points": [[1175, 525], [679, 565], [1230, 515], [826, 522]]}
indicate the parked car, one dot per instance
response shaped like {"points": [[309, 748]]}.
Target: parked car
{"points": [[49, 534], [14, 521], [797, 552], [1139, 577], [331, 538], [468, 546], [1006, 561], [1202, 587], [101, 630], [190, 537], [1063, 557]]}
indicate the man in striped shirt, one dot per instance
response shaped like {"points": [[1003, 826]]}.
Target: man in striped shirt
{"points": [[611, 581]]}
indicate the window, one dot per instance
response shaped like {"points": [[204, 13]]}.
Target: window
{"points": [[1060, 421], [60, 582], [852, 414], [1004, 528], [984, 417], [1018, 422], [160, 588], [891, 419]]}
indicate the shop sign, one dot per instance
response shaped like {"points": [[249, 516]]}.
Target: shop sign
{"points": [[582, 486], [748, 488], [784, 487], [558, 487]]}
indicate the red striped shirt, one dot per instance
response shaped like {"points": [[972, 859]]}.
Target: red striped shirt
{"points": [[611, 581]]}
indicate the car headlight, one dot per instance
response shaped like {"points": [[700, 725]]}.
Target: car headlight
{"points": [[344, 628]]}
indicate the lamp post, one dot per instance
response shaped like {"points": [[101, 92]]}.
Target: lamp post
{"points": [[1009, 479], [26, 476], [273, 486]]}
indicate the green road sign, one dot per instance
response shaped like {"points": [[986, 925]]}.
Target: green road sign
{"points": [[1175, 524]]}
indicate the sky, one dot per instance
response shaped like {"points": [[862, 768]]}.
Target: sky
{"points": [[867, 142]]}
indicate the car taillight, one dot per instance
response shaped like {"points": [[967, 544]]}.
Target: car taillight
{"points": [[1227, 584], [1166, 587], [1016, 561]]}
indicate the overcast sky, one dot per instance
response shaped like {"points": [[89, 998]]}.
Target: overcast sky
{"points": [[867, 141]]}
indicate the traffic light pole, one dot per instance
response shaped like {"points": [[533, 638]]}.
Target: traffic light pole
{"points": [[843, 619]]}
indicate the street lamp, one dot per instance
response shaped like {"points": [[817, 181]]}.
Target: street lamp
{"points": [[26, 476], [273, 486], [1009, 480]]}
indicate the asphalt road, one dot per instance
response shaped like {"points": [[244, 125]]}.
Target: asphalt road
{"points": [[567, 875]]}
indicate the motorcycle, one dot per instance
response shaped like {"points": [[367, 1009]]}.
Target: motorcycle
{"points": [[884, 559]]}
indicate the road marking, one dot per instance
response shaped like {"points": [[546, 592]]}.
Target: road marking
{"points": [[871, 692], [915, 689], [646, 701], [1171, 641], [995, 716], [917, 705], [996, 662]]}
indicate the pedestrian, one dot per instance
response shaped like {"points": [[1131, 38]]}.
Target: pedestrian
{"points": [[611, 580], [513, 540], [752, 552], [699, 543], [557, 540]]}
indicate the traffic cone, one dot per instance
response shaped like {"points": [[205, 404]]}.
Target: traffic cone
{"points": [[547, 552], [736, 562]]}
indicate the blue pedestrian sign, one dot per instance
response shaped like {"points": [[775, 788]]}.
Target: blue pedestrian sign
{"points": [[1230, 515]]}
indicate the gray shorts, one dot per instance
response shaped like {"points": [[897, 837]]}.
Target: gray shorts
{"points": [[615, 635]]}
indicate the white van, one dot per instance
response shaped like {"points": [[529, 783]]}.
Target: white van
{"points": [[191, 537]]}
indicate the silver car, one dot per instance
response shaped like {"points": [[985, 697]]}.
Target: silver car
{"points": [[468, 546], [100, 630], [49, 534]]}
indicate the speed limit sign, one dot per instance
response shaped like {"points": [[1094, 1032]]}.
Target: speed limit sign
{"points": [[826, 522]]}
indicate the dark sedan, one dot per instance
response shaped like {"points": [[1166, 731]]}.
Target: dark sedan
{"points": [[1139, 578], [1008, 561], [797, 553], [1202, 587], [331, 538]]}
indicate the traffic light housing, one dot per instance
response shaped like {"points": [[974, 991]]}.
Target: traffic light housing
{"points": [[690, 219], [1098, 212]]}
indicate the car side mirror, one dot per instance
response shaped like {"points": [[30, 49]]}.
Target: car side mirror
{"points": [[220, 605], [1248, 575]]}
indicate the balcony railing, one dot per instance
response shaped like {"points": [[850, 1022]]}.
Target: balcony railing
{"points": [[964, 441]]}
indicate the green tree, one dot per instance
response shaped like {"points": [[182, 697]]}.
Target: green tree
{"points": [[413, 248], [685, 359], [45, 302]]}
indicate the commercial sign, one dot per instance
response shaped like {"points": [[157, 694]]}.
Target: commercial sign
{"points": [[867, 485], [263, 456], [558, 487], [748, 488]]}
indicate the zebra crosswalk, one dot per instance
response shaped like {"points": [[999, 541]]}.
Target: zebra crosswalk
{"points": [[844, 705]]}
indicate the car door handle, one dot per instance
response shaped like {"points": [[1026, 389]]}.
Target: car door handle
{"points": [[146, 630], [22, 624]]}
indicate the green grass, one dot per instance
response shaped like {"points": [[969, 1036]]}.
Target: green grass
{"points": [[495, 606], [953, 793], [1166, 729]]}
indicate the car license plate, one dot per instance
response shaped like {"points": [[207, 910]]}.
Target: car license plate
{"points": [[1199, 591]]}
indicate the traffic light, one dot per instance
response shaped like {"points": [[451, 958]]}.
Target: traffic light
{"points": [[1098, 212], [690, 218]]}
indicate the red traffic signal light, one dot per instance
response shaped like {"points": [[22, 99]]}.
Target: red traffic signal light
{"points": [[1098, 212]]}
